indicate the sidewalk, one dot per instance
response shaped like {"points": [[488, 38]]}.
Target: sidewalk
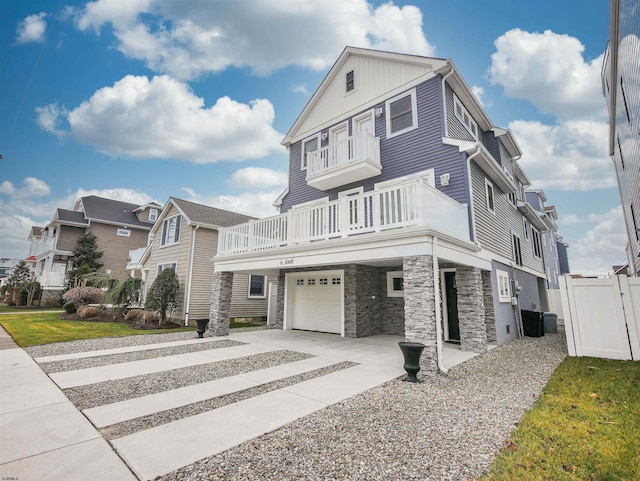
{"points": [[42, 435]]}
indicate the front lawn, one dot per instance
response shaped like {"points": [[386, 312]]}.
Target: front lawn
{"points": [[5, 308], [585, 426], [43, 328]]}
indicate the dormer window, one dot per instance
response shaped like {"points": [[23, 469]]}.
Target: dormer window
{"points": [[153, 215], [463, 116], [350, 82], [171, 231]]}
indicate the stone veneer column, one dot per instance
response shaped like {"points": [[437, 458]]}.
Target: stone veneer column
{"points": [[489, 311], [279, 324], [471, 311], [220, 310], [419, 309]]}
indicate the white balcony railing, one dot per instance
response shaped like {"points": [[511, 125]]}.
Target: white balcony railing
{"points": [[52, 279], [350, 160], [37, 248], [413, 203]]}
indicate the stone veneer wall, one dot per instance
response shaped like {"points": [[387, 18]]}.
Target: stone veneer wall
{"points": [[391, 308], [419, 309], [489, 310], [471, 310], [220, 303]]}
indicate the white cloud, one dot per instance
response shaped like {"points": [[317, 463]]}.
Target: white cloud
{"points": [[189, 38], [32, 29], [257, 177], [256, 204], [569, 156], [299, 89], [31, 187], [162, 118], [602, 246], [550, 71]]}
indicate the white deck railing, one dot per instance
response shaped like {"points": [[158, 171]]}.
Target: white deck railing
{"points": [[37, 248], [52, 279], [413, 203], [361, 146]]}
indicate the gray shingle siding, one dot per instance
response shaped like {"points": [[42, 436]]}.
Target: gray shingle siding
{"points": [[408, 153], [493, 146]]}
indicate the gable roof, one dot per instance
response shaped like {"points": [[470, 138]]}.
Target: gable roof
{"points": [[112, 211], [203, 215], [70, 216]]}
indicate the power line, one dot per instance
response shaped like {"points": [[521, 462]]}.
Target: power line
{"points": [[15, 218]]}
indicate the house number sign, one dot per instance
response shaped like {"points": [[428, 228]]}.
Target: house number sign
{"points": [[286, 261]]}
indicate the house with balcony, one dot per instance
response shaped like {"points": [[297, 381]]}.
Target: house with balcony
{"points": [[119, 227], [185, 239], [405, 214]]}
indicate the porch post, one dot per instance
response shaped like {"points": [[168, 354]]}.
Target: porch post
{"points": [[220, 303], [419, 309], [489, 311], [471, 309]]}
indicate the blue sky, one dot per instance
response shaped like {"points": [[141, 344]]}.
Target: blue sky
{"points": [[146, 99]]}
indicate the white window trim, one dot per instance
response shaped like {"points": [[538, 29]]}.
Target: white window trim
{"points": [[153, 215], [504, 286], [533, 242], [488, 185], [414, 113], [123, 232], [264, 287], [513, 249], [349, 92], [303, 166], [527, 229], [337, 128], [173, 242], [456, 102], [163, 264], [390, 277], [350, 192], [426, 175], [356, 121]]}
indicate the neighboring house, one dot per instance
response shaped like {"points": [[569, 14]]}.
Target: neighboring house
{"points": [[6, 269], [563, 255], [405, 214], [185, 239], [119, 227], [621, 88]]}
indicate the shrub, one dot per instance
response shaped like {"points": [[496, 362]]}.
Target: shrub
{"points": [[52, 302], [148, 316], [31, 291], [89, 311], [163, 294], [70, 307], [134, 315], [84, 295]]}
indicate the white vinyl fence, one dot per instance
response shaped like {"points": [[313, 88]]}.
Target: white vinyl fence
{"points": [[602, 316]]}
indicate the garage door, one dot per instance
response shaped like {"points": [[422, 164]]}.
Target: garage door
{"points": [[316, 302]]}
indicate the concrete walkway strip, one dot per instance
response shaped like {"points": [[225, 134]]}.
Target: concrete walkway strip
{"points": [[94, 375], [118, 412], [122, 350], [171, 446]]}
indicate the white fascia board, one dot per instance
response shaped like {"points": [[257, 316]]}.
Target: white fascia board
{"points": [[278, 202], [492, 256], [532, 215], [522, 177], [540, 193], [548, 222], [508, 140]]}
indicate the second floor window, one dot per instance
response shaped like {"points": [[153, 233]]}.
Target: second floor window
{"points": [[463, 116], [490, 197], [153, 215], [537, 244], [402, 114], [517, 249], [350, 82], [171, 230], [309, 145]]}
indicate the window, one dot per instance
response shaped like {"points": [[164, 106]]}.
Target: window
{"points": [[504, 292], [463, 116], [311, 282], [335, 281], [171, 230], [256, 286], [517, 249], [537, 245], [123, 232], [395, 284], [299, 282], [526, 226], [169, 265], [350, 83], [324, 281], [512, 198], [402, 114], [309, 145], [153, 215], [490, 196]]}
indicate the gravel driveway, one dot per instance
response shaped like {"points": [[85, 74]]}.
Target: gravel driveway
{"points": [[448, 427]]}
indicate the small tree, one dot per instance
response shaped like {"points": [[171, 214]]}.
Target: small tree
{"points": [[86, 258], [163, 294], [31, 291], [20, 275]]}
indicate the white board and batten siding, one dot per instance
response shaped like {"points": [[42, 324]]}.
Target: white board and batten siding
{"points": [[602, 316]]}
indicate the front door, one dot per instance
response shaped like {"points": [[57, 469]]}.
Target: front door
{"points": [[452, 306]]}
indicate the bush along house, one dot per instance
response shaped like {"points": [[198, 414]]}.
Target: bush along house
{"points": [[405, 214]]}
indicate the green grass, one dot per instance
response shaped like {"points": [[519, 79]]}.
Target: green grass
{"points": [[585, 426], [5, 308], [43, 328]]}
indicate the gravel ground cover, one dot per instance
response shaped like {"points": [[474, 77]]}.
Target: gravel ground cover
{"points": [[108, 392], [87, 362], [156, 419], [86, 345], [446, 428]]}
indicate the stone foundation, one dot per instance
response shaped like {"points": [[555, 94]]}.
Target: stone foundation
{"points": [[489, 311], [471, 309]]}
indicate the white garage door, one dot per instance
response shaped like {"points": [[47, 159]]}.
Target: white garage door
{"points": [[316, 302]]}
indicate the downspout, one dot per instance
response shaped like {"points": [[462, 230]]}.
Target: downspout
{"points": [[436, 291], [188, 301], [444, 103], [472, 216]]}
